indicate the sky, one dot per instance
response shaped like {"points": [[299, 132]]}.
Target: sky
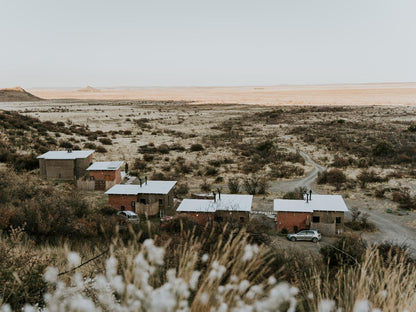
{"points": [[50, 43]]}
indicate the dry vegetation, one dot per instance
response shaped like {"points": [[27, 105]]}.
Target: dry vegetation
{"points": [[237, 148]]}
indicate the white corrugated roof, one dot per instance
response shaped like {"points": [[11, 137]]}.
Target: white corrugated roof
{"points": [[106, 165], [318, 203], [65, 154], [228, 202], [152, 187]]}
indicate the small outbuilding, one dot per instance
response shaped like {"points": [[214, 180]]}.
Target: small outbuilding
{"points": [[151, 198], [220, 208], [65, 165], [321, 212], [105, 174]]}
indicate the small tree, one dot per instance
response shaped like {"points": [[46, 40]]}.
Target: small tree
{"points": [[234, 185], [355, 213]]}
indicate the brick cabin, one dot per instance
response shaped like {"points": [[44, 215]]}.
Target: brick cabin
{"points": [[322, 212], [221, 208], [151, 198], [105, 174], [65, 165]]}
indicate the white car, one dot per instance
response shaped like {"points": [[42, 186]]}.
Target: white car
{"points": [[129, 215], [310, 235]]}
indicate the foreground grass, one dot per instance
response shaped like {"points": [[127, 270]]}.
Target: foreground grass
{"points": [[191, 271]]}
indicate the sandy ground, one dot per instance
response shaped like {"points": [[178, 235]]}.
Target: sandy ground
{"points": [[354, 94]]}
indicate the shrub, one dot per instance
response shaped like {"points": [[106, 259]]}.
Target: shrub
{"points": [[404, 199], [148, 157], [163, 149], [89, 145], [349, 250], [139, 164], [105, 141], [411, 128], [205, 186], [211, 171], [340, 162], [100, 149], [368, 176], [234, 185], [181, 189], [196, 147], [65, 144], [255, 185], [293, 195], [334, 177], [383, 148]]}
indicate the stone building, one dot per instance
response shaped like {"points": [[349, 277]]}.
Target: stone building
{"points": [[321, 212], [219, 208], [150, 198], [105, 174], [65, 165]]}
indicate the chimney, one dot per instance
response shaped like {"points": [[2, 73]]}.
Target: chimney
{"points": [[69, 150], [307, 198], [310, 194], [145, 180], [140, 181], [215, 197], [219, 194]]}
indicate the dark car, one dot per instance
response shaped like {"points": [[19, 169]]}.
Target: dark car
{"points": [[309, 235]]}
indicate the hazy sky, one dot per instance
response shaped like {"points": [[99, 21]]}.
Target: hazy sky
{"points": [[75, 43]]}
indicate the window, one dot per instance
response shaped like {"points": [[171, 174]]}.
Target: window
{"points": [[218, 219], [316, 219], [92, 178], [242, 219], [143, 201], [160, 202], [123, 208], [338, 220], [133, 204]]}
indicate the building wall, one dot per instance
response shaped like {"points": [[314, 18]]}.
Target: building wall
{"points": [[103, 177], [166, 205], [293, 221], [117, 201], [100, 175], [81, 165], [64, 169], [232, 216], [329, 217]]}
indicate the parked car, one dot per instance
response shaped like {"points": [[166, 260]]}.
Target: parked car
{"points": [[310, 235], [129, 215]]}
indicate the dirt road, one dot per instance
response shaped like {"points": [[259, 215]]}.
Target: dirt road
{"points": [[391, 228]]}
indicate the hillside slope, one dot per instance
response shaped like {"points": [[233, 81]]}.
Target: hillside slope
{"points": [[16, 94]]}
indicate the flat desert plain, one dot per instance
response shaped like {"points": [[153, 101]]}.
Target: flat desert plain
{"points": [[352, 94]]}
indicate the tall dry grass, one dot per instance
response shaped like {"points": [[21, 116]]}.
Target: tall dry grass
{"points": [[182, 274]]}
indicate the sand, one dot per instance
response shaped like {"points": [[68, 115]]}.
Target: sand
{"points": [[353, 94]]}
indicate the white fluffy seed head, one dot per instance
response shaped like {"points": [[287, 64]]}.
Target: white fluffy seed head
{"points": [[73, 259], [51, 275]]}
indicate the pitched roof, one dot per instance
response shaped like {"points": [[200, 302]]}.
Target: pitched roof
{"points": [[228, 202], [318, 203], [65, 154], [106, 165], [152, 187]]}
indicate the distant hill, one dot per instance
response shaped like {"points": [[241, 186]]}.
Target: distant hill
{"points": [[16, 94], [88, 89]]}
